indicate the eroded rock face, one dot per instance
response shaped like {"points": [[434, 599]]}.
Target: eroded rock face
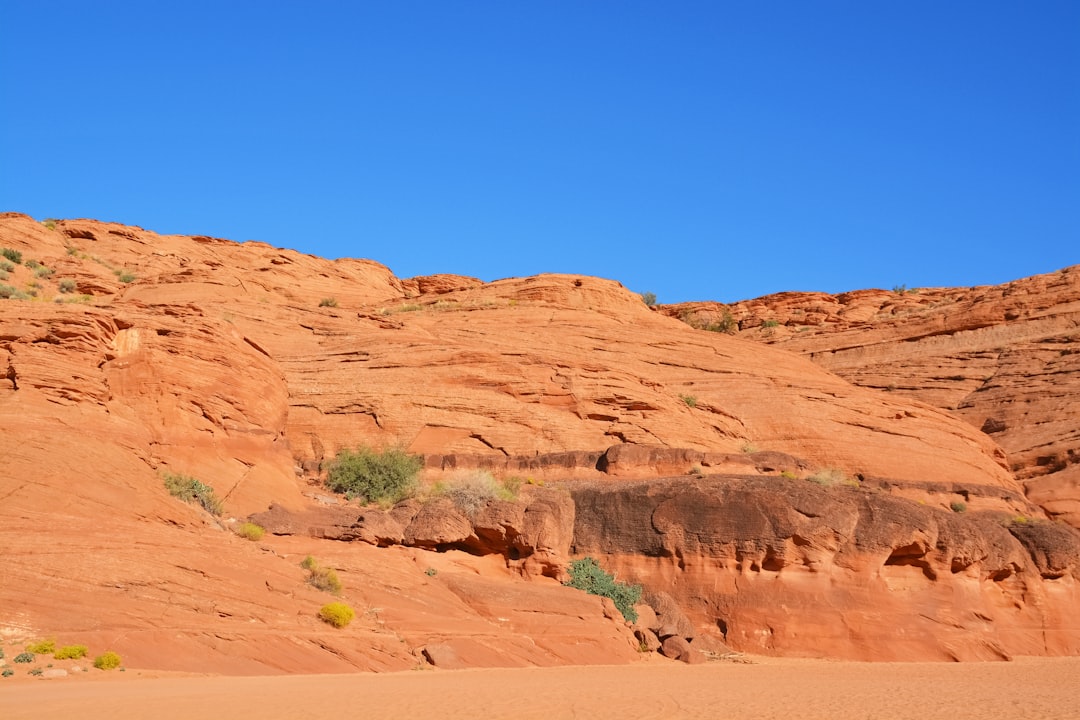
{"points": [[533, 533], [247, 366], [789, 567], [1004, 358]]}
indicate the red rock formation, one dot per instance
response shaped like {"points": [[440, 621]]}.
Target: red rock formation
{"points": [[1004, 358], [246, 366], [789, 567]]}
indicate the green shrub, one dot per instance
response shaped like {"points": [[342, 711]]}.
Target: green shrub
{"points": [[473, 491], [958, 507], [125, 276], [250, 531], [107, 661], [328, 302], [24, 657], [6, 266], [67, 285], [309, 563], [770, 323], [13, 255], [690, 400], [42, 647], [373, 477], [8, 672], [788, 474], [337, 614], [49, 223], [586, 574], [71, 652], [193, 491], [43, 272], [649, 298]]}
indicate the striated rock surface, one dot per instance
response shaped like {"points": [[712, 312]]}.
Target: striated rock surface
{"points": [[125, 354], [1006, 359]]}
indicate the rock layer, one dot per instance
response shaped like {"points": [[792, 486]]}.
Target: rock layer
{"points": [[1004, 358]]}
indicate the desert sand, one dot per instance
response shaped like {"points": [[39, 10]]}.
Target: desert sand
{"points": [[764, 688]]}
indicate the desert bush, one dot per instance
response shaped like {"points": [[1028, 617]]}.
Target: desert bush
{"points": [[372, 476], [192, 491], [828, 476], [250, 531], [323, 578], [726, 323], [958, 507], [8, 672], [690, 400], [49, 223], [328, 302], [42, 647], [7, 292], [788, 474], [13, 255], [43, 272], [67, 285], [586, 574], [770, 323], [472, 491], [107, 661], [125, 276], [6, 266], [24, 657], [649, 298], [337, 614], [71, 652]]}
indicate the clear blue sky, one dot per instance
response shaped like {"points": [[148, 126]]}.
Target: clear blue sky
{"points": [[698, 150]]}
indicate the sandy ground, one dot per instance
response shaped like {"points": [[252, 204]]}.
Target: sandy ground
{"points": [[769, 688]]}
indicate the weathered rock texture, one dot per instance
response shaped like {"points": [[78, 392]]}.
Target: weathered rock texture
{"points": [[786, 566], [1004, 358], [247, 366]]}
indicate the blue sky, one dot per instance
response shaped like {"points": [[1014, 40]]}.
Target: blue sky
{"points": [[698, 150]]}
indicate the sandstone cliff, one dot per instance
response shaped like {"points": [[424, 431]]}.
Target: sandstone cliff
{"points": [[1006, 359], [246, 366]]}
